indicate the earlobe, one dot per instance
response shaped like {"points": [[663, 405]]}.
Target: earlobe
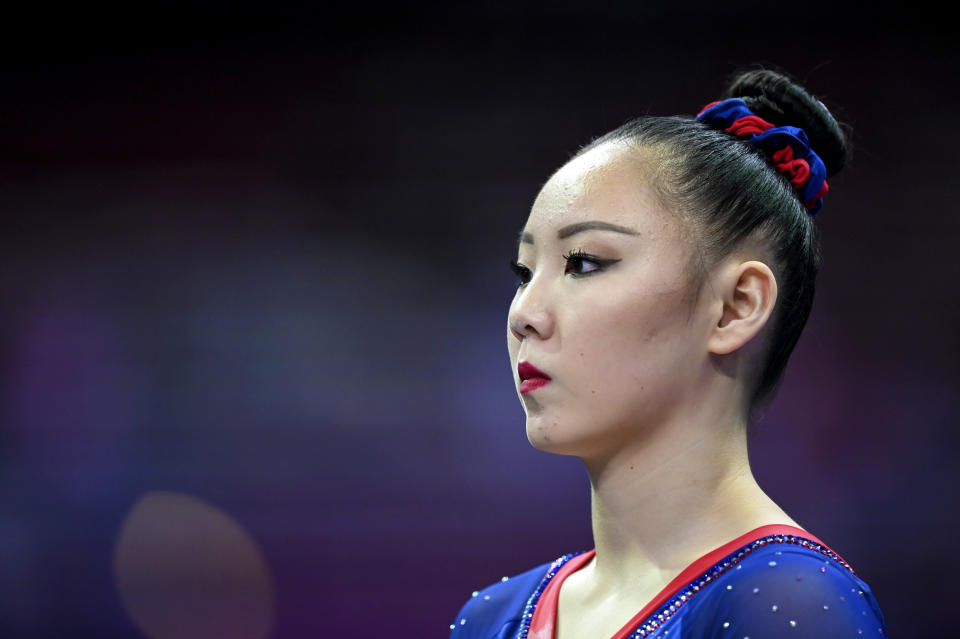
{"points": [[748, 293]]}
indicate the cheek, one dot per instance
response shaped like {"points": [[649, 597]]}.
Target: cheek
{"points": [[633, 345]]}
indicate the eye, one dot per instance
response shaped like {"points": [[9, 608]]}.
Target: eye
{"points": [[576, 260], [521, 271]]}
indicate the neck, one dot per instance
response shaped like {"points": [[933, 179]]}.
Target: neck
{"points": [[672, 498]]}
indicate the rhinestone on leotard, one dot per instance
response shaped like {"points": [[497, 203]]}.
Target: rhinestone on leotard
{"points": [[672, 606]]}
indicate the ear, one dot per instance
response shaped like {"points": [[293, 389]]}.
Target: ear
{"points": [[748, 292]]}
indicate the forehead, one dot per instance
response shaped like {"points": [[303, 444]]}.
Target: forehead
{"points": [[604, 184]]}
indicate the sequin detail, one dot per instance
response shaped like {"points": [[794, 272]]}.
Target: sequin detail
{"points": [[651, 624], [535, 597], [656, 620]]}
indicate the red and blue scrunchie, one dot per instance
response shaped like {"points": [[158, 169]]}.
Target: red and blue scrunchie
{"points": [[788, 146]]}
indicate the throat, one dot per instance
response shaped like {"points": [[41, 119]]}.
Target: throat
{"points": [[659, 507], [584, 610]]}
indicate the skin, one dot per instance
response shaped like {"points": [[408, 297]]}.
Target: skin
{"points": [[649, 381]]}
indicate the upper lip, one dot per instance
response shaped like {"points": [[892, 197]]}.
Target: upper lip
{"points": [[526, 370]]}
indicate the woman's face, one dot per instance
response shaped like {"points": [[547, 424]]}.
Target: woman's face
{"points": [[618, 332]]}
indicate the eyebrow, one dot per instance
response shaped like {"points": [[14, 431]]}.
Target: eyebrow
{"points": [[580, 227]]}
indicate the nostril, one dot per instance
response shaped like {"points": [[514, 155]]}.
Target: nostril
{"points": [[521, 329]]}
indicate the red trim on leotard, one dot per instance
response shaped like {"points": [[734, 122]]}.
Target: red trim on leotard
{"points": [[545, 614]]}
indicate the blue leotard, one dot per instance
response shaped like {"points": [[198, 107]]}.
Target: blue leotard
{"points": [[776, 581]]}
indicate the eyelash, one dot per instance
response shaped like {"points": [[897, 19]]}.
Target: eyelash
{"points": [[520, 270]]}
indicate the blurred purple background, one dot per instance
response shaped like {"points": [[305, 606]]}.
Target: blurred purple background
{"points": [[263, 261]]}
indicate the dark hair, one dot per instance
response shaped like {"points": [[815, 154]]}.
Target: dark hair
{"points": [[729, 190]]}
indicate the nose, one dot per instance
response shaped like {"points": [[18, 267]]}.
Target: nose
{"points": [[529, 315]]}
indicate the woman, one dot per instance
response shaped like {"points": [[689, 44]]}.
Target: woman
{"points": [[665, 274]]}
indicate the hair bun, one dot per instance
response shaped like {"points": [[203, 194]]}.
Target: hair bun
{"points": [[775, 97]]}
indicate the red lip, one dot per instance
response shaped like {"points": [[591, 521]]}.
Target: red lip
{"points": [[531, 377], [526, 370]]}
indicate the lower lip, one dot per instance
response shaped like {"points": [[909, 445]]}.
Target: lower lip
{"points": [[533, 383]]}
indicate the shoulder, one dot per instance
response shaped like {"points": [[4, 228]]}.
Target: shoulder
{"points": [[495, 610], [782, 588]]}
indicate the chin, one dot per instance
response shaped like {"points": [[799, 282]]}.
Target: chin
{"points": [[589, 434], [549, 438]]}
